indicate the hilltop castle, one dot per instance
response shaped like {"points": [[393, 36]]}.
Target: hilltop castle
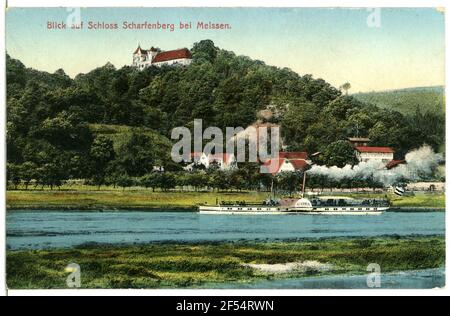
{"points": [[143, 58]]}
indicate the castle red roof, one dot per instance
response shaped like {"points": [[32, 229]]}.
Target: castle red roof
{"points": [[172, 54], [370, 149]]}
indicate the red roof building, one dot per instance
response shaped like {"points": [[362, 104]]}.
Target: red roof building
{"points": [[394, 163], [370, 153], [143, 58], [287, 162], [371, 149], [172, 55], [293, 155]]}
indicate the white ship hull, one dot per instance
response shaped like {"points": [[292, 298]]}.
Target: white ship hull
{"points": [[273, 210], [243, 210]]}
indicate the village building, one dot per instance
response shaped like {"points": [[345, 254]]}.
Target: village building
{"points": [[426, 186], [366, 153], [359, 141], [395, 163], [287, 162], [371, 153], [158, 168], [223, 161], [143, 58]]}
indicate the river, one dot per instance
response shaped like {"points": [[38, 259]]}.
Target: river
{"points": [[53, 229], [413, 279]]}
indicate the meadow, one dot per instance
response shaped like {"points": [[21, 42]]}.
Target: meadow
{"points": [[187, 265], [85, 197], [110, 198]]}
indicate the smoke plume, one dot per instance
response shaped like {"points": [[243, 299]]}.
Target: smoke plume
{"points": [[420, 164]]}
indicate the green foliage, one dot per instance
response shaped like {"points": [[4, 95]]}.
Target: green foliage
{"points": [[428, 99], [339, 153], [135, 155], [174, 265], [124, 181], [54, 122], [101, 154], [289, 182]]}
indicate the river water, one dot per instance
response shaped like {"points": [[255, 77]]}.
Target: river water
{"points": [[49, 229], [415, 279]]}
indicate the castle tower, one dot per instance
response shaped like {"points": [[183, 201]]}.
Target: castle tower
{"points": [[153, 52]]}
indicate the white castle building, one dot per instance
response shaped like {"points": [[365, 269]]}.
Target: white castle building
{"points": [[143, 58]]}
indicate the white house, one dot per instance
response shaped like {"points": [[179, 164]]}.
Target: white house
{"points": [[287, 162], [143, 58], [369, 153], [223, 161]]}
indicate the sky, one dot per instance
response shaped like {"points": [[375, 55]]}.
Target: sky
{"points": [[398, 48]]}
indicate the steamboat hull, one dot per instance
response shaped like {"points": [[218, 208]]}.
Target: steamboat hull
{"points": [[269, 210]]}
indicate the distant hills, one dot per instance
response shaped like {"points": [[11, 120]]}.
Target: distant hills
{"points": [[427, 99]]}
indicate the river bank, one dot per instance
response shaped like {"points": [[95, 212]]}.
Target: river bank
{"points": [[190, 264], [90, 198]]}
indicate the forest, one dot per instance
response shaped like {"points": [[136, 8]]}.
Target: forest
{"points": [[406, 101], [111, 126]]}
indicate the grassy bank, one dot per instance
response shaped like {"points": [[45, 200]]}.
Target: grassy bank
{"points": [[120, 199], [90, 198], [171, 265]]}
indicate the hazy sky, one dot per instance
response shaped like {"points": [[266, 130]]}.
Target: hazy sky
{"points": [[337, 45]]}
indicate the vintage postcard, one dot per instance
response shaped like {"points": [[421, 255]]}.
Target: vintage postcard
{"points": [[225, 148]]}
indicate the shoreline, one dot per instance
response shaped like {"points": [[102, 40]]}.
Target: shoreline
{"points": [[194, 264], [170, 208], [87, 198], [339, 281]]}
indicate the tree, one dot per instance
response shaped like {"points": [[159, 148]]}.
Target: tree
{"points": [[13, 174], [135, 155], [219, 180], [28, 172], [296, 121], [101, 153], [51, 174], [167, 181], [125, 181], [290, 181], [197, 179], [204, 51], [346, 86], [151, 180], [339, 153]]}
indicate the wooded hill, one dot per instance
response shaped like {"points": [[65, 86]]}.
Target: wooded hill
{"points": [[406, 101], [118, 121]]}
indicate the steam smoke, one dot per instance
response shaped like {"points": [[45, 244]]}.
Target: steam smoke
{"points": [[420, 164]]}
